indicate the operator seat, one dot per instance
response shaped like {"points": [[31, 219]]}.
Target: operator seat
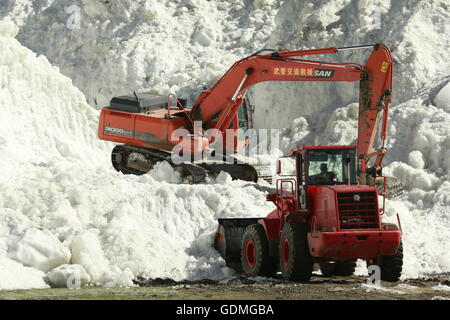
{"points": [[325, 177]]}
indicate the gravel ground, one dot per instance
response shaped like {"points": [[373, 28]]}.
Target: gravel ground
{"points": [[319, 288]]}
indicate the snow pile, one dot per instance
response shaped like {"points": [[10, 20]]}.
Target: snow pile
{"points": [[61, 202], [15, 276], [442, 287], [64, 211], [374, 287], [416, 31], [442, 99], [68, 276], [40, 250], [115, 47]]}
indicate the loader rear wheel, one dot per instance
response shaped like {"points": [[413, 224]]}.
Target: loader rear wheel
{"points": [[391, 266], [296, 263], [255, 257]]}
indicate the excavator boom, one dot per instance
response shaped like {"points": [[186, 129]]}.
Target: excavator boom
{"points": [[218, 106]]}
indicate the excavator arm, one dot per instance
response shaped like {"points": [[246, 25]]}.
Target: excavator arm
{"points": [[217, 107]]}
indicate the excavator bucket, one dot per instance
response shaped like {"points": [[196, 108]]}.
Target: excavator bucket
{"points": [[229, 237], [394, 188]]}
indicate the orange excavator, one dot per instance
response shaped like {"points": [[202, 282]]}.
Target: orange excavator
{"points": [[145, 124]]}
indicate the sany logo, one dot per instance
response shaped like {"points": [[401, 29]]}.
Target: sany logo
{"points": [[324, 73]]}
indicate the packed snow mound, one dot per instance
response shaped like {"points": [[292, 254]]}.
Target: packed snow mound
{"points": [[114, 47], [44, 117], [15, 275], [62, 202], [418, 126], [416, 31], [68, 275], [339, 127], [39, 249], [442, 98]]}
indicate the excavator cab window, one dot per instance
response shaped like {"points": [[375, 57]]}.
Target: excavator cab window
{"points": [[243, 117], [330, 167]]}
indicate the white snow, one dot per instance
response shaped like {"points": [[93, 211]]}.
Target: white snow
{"points": [[223, 178], [442, 98], [372, 287], [72, 276], [442, 287], [416, 159], [39, 249], [15, 276], [60, 198]]}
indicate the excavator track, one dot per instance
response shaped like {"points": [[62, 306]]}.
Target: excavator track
{"points": [[137, 160]]}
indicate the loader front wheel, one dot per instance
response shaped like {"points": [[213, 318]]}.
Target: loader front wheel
{"points": [[255, 257], [296, 263], [391, 266]]}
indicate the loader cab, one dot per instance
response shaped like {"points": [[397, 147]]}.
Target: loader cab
{"points": [[323, 165], [327, 165]]}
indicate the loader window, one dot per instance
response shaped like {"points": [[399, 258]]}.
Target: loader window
{"points": [[329, 167]]}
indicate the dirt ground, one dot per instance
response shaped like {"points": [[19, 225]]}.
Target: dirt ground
{"points": [[319, 288]]}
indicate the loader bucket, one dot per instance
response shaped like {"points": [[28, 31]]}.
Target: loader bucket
{"points": [[229, 237]]}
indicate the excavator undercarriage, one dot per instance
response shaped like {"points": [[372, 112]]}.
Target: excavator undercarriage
{"points": [[138, 160]]}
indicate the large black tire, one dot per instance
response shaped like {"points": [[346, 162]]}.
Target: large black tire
{"points": [[296, 263], [255, 257], [391, 266]]}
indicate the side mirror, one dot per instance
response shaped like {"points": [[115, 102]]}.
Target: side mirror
{"points": [[278, 166]]}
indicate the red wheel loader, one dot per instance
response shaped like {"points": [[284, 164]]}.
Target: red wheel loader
{"points": [[328, 212], [322, 216]]}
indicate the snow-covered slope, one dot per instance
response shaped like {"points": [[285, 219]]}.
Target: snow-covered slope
{"points": [[162, 45], [416, 31], [62, 203]]}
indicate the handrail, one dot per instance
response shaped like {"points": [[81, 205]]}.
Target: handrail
{"points": [[180, 106], [279, 186]]}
